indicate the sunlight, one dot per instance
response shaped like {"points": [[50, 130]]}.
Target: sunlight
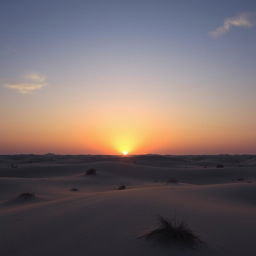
{"points": [[124, 144]]}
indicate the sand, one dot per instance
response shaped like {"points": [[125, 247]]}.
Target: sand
{"points": [[218, 204]]}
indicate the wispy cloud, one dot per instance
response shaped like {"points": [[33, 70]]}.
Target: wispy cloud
{"points": [[243, 20], [30, 83]]}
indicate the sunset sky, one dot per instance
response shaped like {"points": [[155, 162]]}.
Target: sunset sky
{"points": [[143, 76]]}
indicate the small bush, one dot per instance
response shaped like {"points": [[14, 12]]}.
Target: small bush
{"points": [[122, 187], [173, 233], [27, 196], [219, 166], [90, 171], [240, 179], [172, 181], [74, 189]]}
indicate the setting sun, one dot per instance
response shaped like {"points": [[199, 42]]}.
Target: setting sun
{"points": [[125, 153]]}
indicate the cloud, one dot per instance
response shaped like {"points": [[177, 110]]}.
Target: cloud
{"points": [[243, 20], [36, 77], [31, 82]]}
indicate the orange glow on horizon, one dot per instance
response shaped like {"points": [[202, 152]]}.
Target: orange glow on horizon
{"points": [[136, 129]]}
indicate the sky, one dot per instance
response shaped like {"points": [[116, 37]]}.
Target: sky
{"points": [[144, 76]]}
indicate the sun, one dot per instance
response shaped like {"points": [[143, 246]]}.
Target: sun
{"points": [[125, 153]]}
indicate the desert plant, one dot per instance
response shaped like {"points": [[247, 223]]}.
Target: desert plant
{"points": [[172, 180], [90, 171], [121, 187], [27, 196], [174, 233], [219, 166], [74, 189]]}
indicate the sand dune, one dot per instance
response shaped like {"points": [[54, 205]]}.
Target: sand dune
{"points": [[97, 219]]}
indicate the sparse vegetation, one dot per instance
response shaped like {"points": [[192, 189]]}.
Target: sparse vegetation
{"points": [[219, 166], [172, 180], [122, 187], [173, 233], [27, 196], [240, 179], [90, 171], [74, 189]]}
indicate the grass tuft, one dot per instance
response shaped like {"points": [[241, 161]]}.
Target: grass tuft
{"points": [[90, 171], [173, 233], [121, 187], [172, 180], [27, 196]]}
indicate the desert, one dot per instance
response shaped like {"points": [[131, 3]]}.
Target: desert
{"points": [[50, 205]]}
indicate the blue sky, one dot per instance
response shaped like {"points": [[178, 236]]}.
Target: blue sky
{"points": [[180, 58]]}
